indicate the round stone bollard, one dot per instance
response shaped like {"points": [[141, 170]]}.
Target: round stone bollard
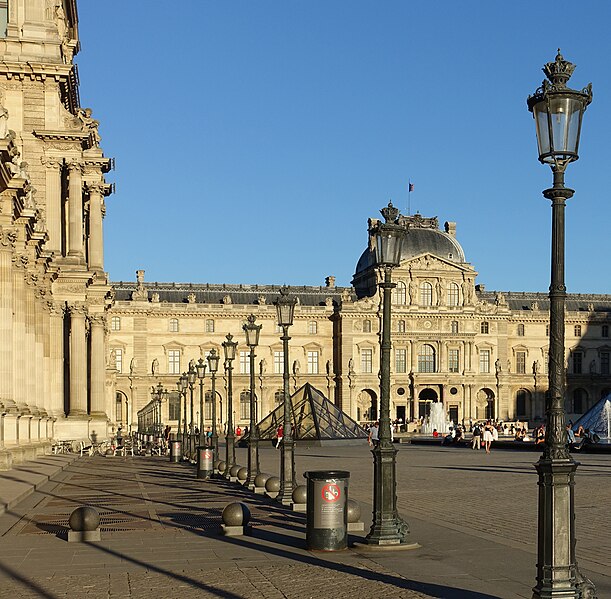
{"points": [[236, 517], [260, 481], [242, 474], [233, 472], [354, 511], [300, 494], [84, 524], [272, 486], [221, 467]]}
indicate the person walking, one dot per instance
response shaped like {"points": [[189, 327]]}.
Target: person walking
{"points": [[374, 434], [488, 435], [279, 435], [476, 442]]}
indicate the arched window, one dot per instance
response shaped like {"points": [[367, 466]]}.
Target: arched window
{"points": [[520, 330], [399, 294], [278, 397], [453, 294], [484, 327], [454, 327], [209, 325], [426, 359], [173, 326], [312, 327], [579, 401], [245, 405], [426, 294], [366, 326], [400, 326], [521, 397]]}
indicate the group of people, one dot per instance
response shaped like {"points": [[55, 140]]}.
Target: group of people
{"points": [[484, 434]]}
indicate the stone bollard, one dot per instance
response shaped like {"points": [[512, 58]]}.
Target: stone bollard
{"points": [[222, 465], [300, 498], [242, 475], [84, 524], [354, 516], [236, 519], [272, 487], [233, 473], [260, 481]]}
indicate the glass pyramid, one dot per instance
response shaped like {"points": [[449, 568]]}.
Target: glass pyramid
{"points": [[315, 418]]}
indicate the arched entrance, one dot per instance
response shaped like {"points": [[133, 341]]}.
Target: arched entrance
{"points": [[367, 406], [523, 404], [425, 398], [121, 409], [486, 404]]}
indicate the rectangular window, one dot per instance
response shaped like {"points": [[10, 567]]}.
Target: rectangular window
{"points": [[174, 406], [312, 327], [604, 330], [174, 361], [244, 362], [367, 361], [484, 360], [453, 360], [173, 325], [577, 362], [312, 362], [577, 330], [521, 362], [209, 325], [604, 362], [119, 360], [278, 362], [115, 323], [400, 360], [3, 17], [484, 328]]}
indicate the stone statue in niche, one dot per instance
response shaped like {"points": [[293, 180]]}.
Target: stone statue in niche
{"points": [[3, 122], [155, 366], [89, 124]]}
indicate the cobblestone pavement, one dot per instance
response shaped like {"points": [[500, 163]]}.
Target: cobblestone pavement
{"points": [[474, 515]]}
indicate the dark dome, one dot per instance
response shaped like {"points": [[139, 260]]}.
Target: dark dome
{"points": [[418, 241]]}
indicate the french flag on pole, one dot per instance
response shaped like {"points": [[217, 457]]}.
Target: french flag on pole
{"points": [[411, 187]]}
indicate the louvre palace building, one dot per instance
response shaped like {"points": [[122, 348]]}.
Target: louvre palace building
{"points": [[79, 354]]}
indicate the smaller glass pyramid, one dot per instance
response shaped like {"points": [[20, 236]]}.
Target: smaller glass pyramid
{"points": [[314, 418]]}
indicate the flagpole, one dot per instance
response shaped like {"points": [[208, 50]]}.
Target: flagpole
{"points": [[409, 197]]}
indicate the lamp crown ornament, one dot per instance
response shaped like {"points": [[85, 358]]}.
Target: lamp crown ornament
{"points": [[559, 71], [390, 213]]}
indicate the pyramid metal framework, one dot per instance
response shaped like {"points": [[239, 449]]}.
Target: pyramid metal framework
{"points": [[314, 417], [597, 418]]}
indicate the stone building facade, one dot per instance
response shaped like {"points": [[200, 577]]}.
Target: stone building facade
{"points": [[483, 354], [54, 292]]}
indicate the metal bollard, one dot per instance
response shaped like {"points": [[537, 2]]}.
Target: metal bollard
{"points": [[205, 462], [175, 451]]}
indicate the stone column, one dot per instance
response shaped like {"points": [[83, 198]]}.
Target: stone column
{"points": [[75, 211], [98, 365], [7, 245], [96, 241], [19, 336], [78, 360], [56, 359], [31, 370], [53, 204]]}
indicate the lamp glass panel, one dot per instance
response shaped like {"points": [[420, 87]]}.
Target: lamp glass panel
{"points": [[388, 246], [213, 361], [285, 313], [201, 369], [543, 140], [229, 348], [191, 375]]}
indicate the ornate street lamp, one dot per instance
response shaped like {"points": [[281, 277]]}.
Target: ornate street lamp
{"points": [[179, 389], [558, 111], [285, 308], [387, 528], [191, 376], [252, 331], [201, 372], [213, 366], [229, 347], [184, 383]]}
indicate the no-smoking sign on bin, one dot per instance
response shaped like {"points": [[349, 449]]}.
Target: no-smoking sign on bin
{"points": [[327, 521]]}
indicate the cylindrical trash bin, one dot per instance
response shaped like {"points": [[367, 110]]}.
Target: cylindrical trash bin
{"points": [[205, 462], [175, 451], [327, 516]]}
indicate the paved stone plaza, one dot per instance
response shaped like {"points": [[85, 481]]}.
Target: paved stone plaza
{"points": [[473, 514]]}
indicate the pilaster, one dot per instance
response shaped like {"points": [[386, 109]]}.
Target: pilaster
{"points": [[75, 211], [78, 360], [98, 365]]}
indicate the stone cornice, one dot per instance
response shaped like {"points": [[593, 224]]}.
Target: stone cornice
{"points": [[35, 71], [65, 135]]}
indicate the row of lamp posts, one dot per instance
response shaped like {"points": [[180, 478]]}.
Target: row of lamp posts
{"points": [[558, 112]]}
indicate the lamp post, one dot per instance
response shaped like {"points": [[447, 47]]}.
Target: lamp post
{"points": [[387, 528], [191, 376], [179, 389], [213, 366], [184, 382], [229, 347], [252, 331], [201, 372], [285, 308], [558, 112]]}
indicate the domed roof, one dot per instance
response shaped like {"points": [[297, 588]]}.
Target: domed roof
{"points": [[422, 236]]}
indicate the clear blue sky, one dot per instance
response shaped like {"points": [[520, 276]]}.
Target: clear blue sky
{"points": [[253, 139]]}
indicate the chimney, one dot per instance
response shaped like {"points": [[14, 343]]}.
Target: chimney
{"points": [[330, 281]]}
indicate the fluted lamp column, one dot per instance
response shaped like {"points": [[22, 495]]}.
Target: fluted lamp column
{"points": [[252, 331], [285, 309], [191, 376], [558, 112], [201, 373], [388, 528], [184, 383], [213, 366], [179, 389], [229, 347]]}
